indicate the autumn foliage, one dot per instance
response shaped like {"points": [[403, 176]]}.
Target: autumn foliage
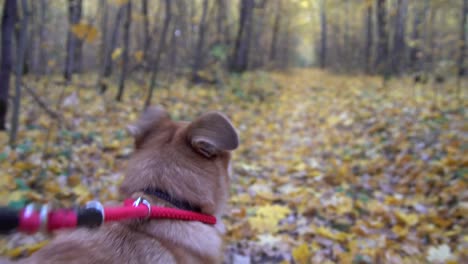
{"points": [[330, 168]]}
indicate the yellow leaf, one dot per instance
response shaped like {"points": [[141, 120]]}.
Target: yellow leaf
{"points": [[26, 250], [116, 53], [7, 181], [139, 56], [267, 218], [85, 32], [408, 219], [52, 187], [325, 232], [301, 254], [16, 195], [400, 231], [82, 192]]}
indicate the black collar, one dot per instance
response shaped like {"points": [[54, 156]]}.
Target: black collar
{"points": [[180, 204]]}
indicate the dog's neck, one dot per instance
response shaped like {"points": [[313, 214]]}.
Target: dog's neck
{"points": [[171, 200]]}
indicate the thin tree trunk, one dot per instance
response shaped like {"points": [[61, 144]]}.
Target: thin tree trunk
{"points": [[78, 53], [42, 57], [462, 51], [198, 60], [8, 24], [30, 45], [416, 54], [173, 50], [103, 45], [382, 43], [126, 47], [74, 16], [20, 54], [430, 58], [275, 32], [162, 41], [240, 59], [222, 29], [107, 67], [399, 45], [323, 34], [369, 38], [347, 49], [287, 44], [146, 33]]}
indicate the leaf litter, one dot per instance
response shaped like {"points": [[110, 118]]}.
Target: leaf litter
{"points": [[330, 168]]}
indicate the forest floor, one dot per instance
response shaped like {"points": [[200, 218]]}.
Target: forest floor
{"points": [[331, 168]]}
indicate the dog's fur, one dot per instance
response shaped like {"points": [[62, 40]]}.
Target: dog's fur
{"points": [[190, 161]]}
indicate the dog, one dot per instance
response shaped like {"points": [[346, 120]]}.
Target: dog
{"points": [[188, 161]]}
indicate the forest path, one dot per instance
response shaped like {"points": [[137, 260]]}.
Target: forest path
{"points": [[330, 167]]}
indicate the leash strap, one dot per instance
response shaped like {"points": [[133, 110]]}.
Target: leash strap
{"points": [[30, 220]]}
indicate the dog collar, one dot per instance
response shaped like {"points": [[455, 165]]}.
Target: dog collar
{"points": [[178, 203]]}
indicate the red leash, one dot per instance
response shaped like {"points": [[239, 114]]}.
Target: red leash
{"points": [[29, 220]]}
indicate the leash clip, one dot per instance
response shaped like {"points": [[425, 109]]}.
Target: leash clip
{"points": [[145, 202]]}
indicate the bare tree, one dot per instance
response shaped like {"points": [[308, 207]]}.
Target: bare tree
{"points": [[106, 69], [462, 50], [369, 37], [198, 59], [20, 56], [382, 41], [8, 24], [323, 34], [240, 58], [146, 33], [222, 26], [275, 32], [42, 56], [103, 9], [399, 45], [126, 47], [74, 16], [161, 44]]}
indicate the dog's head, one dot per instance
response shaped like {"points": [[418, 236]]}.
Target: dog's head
{"points": [[188, 160]]}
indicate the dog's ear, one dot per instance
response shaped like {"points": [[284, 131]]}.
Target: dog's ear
{"points": [[212, 133], [149, 119]]}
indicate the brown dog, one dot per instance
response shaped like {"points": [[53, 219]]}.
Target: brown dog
{"points": [[189, 162]]}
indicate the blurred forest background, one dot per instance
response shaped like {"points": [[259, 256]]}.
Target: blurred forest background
{"points": [[351, 114]]}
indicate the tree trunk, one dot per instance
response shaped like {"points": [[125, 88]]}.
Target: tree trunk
{"points": [[369, 38], [323, 34], [107, 66], [146, 33], [8, 24], [161, 44], [416, 53], [42, 57], [222, 28], [275, 32], [382, 42], [20, 54], [103, 7], [73, 42], [78, 60], [399, 45], [462, 51], [126, 48], [240, 58], [198, 60]]}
